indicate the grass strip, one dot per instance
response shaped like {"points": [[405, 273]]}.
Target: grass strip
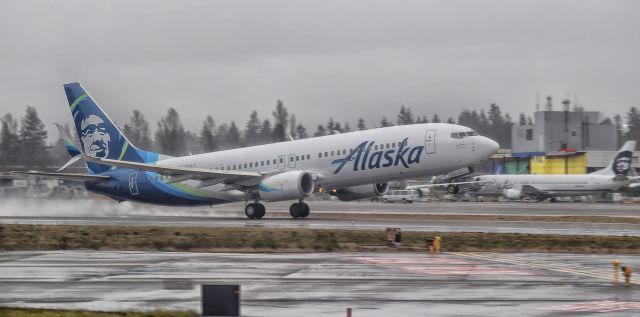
{"points": [[15, 237], [36, 312]]}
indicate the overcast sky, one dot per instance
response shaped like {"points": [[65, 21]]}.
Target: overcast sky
{"points": [[345, 59]]}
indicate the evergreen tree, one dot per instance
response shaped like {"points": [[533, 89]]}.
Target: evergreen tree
{"points": [[321, 131], [137, 131], [207, 135], [450, 120], [522, 120], [301, 132], [265, 132], [252, 130], [33, 149], [331, 126], [633, 124], [337, 128], [233, 135], [361, 125], [529, 120], [405, 116], [221, 136], [170, 135], [346, 128], [435, 119], [424, 119], [9, 140], [281, 116], [385, 123]]}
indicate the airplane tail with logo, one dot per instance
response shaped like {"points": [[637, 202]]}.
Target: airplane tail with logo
{"points": [[621, 163], [99, 136]]}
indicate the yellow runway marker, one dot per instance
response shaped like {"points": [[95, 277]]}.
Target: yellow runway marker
{"points": [[541, 264]]}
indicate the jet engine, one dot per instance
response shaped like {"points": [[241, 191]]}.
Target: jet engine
{"points": [[361, 191], [511, 193], [286, 186]]}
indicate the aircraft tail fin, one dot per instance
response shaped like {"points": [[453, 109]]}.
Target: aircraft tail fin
{"points": [[621, 163], [99, 135]]}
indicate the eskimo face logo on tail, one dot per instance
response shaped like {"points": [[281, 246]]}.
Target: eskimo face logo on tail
{"points": [[363, 158], [622, 163], [94, 136]]}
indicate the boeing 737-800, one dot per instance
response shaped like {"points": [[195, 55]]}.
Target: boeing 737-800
{"points": [[611, 178], [353, 165]]}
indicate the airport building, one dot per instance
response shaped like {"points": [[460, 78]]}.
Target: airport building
{"points": [[568, 141]]}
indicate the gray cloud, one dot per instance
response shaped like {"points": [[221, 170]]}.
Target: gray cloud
{"points": [[344, 59]]}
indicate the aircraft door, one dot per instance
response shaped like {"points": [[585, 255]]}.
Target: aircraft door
{"points": [[430, 142], [281, 162], [291, 160]]}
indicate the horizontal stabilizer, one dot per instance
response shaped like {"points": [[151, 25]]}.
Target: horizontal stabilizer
{"points": [[65, 176]]}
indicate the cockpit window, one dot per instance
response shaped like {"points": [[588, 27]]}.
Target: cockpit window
{"points": [[462, 135]]}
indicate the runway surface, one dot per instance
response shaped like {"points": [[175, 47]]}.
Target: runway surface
{"points": [[103, 212], [406, 284]]}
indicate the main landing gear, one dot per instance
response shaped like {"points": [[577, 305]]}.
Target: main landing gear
{"points": [[299, 210], [254, 210]]}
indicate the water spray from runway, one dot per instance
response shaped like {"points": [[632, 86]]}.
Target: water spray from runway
{"points": [[88, 207]]}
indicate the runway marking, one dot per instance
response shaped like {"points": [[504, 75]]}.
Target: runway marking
{"points": [[596, 306], [411, 260], [441, 265], [546, 265]]}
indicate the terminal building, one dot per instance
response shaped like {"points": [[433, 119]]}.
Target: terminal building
{"points": [[567, 141]]}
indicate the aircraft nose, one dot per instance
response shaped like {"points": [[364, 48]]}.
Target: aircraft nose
{"points": [[489, 147]]}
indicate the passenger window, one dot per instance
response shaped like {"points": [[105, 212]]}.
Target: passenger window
{"points": [[297, 158], [261, 163], [250, 164], [245, 165], [319, 155], [281, 160], [393, 145], [326, 154], [274, 161], [290, 158], [333, 153], [375, 147], [308, 156], [302, 158]]}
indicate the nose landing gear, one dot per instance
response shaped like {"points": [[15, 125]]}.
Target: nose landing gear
{"points": [[254, 210]]}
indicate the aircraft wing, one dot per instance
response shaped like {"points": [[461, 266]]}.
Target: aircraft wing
{"points": [[65, 176], [179, 174]]}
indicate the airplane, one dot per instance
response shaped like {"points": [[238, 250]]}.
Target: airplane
{"points": [[354, 165], [517, 186]]}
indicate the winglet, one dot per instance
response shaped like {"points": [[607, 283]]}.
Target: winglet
{"points": [[69, 143]]}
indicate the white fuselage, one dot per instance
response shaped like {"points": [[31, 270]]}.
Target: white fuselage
{"points": [[378, 162], [551, 185]]}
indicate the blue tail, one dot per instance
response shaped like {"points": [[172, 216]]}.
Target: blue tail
{"points": [[99, 136]]}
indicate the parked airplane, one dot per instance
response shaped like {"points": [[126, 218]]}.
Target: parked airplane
{"points": [[611, 178], [353, 165]]}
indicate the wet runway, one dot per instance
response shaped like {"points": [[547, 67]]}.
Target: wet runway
{"points": [[103, 212], [566, 228], [392, 284]]}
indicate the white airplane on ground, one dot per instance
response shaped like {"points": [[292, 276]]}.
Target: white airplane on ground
{"points": [[353, 165], [609, 179]]}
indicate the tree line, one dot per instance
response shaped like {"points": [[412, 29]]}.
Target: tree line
{"points": [[24, 142]]}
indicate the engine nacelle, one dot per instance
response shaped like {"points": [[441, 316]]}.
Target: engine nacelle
{"points": [[511, 193], [361, 192], [286, 186]]}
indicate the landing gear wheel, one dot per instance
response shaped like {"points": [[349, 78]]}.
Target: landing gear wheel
{"points": [[261, 210], [252, 211], [305, 210], [453, 189], [299, 210]]}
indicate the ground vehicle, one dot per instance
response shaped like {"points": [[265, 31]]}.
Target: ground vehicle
{"points": [[401, 195]]}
